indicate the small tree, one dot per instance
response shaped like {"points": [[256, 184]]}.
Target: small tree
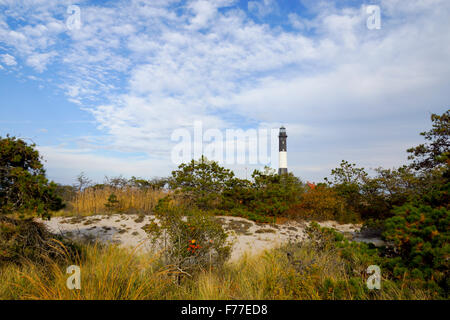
{"points": [[273, 193], [112, 204], [202, 182], [419, 229], [23, 185], [421, 237], [437, 151], [82, 182], [190, 239], [348, 181], [153, 184]]}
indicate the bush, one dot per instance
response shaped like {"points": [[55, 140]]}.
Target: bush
{"points": [[273, 193], [23, 185], [421, 237], [209, 186], [436, 152], [201, 182], [25, 239], [112, 205], [319, 203], [267, 197], [190, 239], [331, 251]]}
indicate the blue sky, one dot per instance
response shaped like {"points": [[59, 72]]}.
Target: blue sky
{"points": [[105, 98]]}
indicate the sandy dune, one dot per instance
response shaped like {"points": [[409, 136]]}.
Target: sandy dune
{"points": [[245, 235]]}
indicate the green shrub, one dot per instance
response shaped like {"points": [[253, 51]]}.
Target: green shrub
{"points": [[23, 185], [421, 237], [267, 197], [251, 215], [436, 152], [273, 193], [201, 182], [112, 203], [209, 186], [373, 198], [190, 239]]}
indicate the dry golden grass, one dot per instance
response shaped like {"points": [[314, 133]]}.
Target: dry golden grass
{"points": [[107, 273], [271, 276], [130, 200], [115, 273]]}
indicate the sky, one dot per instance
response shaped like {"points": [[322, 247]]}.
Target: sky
{"points": [[102, 87]]}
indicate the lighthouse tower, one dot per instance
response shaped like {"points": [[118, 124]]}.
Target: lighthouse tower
{"points": [[282, 160]]}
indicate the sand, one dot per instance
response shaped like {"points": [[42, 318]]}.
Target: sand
{"points": [[245, 236]]}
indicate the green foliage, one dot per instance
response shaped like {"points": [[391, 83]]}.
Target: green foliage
{"points": [[66, 192], [419, 229], [113, 203], [120, 182], [347, 174], [436, 153], [330, 250], [395, 187], [355, 257], [211, 187], [251, 215], [238, 194], [190, 239], [267, 197], [348, 181], [374, 198], [403, 184], [23, 185], [421, 237], [273, 193], [201, 182], [153, 184]]}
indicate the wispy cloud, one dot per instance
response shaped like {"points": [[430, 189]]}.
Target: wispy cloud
{"points": [[145, 68], [8, 59]]}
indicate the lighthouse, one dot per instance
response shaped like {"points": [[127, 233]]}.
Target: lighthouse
{"points": [[282, 155]]}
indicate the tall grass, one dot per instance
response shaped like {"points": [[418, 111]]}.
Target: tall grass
{"points": [[115, 273], [92, 201], [107, 273], [271, 276]]}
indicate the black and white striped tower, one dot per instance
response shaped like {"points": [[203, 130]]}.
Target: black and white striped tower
{"points": [[282, 155]]}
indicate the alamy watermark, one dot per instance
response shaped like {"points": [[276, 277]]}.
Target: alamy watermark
{"points": [[374, 280], [74, 281], [73, 21], [374, 18], [231, 146]]}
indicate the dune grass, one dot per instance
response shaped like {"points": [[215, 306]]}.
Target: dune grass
{"points": [[110, 272], [107, 272], [93, 201]]}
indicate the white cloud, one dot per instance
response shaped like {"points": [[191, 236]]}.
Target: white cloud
{"points": [[8, 59], [39, 61], [203, 11], [148, 68], [262, 7]]}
